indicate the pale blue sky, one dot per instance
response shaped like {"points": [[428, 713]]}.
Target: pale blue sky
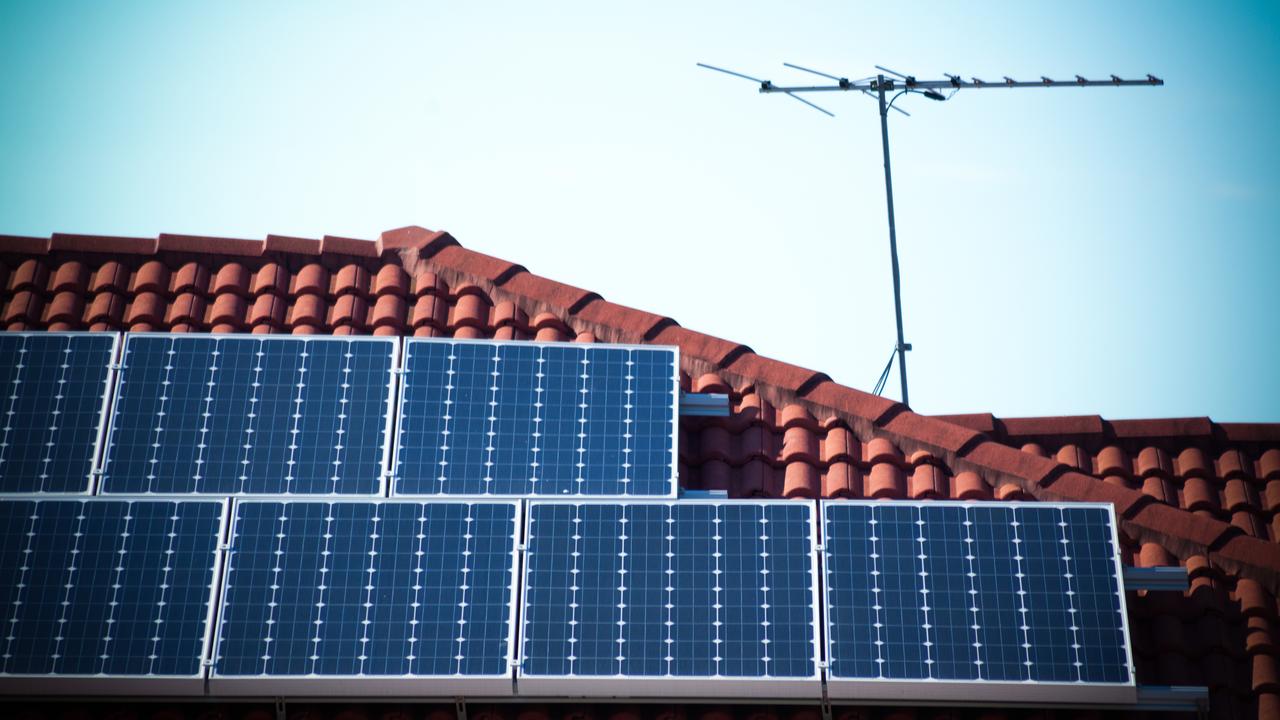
{"points": [[1064, 251]]}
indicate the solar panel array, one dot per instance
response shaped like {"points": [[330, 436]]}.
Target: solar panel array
{"points": [[972, 593], [536, 419], [702, 592], [236, 415], [53, 387], [632, 596], [98, 588], [406, 592]]}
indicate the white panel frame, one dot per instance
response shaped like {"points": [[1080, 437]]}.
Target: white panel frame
{"points": [[393, 369], [108, 391], [676, 686], [130, 685], [347, 686], [983, 691], [673, 481]]}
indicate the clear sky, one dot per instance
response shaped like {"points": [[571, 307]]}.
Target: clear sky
{"points": [[1073, 251]]}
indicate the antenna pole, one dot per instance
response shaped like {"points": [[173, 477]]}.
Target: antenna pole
{"points": [[893, 239], [932, 89]]}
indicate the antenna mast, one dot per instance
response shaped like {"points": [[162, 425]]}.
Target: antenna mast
{"points": [[879, 87]]}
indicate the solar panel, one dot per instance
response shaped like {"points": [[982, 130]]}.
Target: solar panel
{"points": [[106, 596], [237, 415], [333, 598], [521, 419], [53, 395], [688, 598], [962, 601]]}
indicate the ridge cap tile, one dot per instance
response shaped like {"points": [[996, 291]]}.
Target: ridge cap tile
{"points": [[208, 244], [475, 264], [787, 376], [1252, 432], [1034, 469], [628, 323], [932, 431], [414, 237], [714, 350], [873, 409], [562, 296], [24, 245], [1161, 427], [330, 244], [291, 245], [103, 244], [983, 422], [1054, 425]]}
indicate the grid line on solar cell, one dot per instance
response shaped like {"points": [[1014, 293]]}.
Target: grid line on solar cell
{"points": [[322, 591], [688, 590], [536, 419], [53, 393], [1011, 593], [107, 588], [244, 415]]}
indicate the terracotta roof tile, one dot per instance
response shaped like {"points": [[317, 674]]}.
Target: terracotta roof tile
{"points": [[103, 244], [623, 324], [21, 245], [291, 245], [209, 245]]}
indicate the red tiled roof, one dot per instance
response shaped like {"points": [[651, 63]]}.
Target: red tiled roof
{"points": [[1188, 491]]}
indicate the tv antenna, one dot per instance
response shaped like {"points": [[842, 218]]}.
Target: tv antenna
{"points": [[879, 87]]}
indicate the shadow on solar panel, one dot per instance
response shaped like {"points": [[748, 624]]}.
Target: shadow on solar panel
{"points": [[536, 419], [248, 415], [368, 598], [670, 599], [53, 396], [107, 597]]}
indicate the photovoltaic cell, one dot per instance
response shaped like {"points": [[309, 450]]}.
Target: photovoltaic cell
{"points": [[98, 588], [53, 393], [670, 598], [233, 415], [973, 594], [521, 419], [393, 595]]}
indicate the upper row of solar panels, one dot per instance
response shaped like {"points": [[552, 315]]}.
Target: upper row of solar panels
{"points": [[175, 414]]}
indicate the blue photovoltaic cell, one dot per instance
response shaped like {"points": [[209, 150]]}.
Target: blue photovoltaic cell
{"points": [[485, 418], [964, 592], [106, 587], [231, 415], [687, 589], [337, 589], [52, 390]]}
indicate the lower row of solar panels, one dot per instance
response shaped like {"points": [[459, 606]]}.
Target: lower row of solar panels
{"points": [[260, 597]]}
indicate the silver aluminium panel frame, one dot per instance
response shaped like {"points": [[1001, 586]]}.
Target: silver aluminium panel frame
{"points": [[108, 392], [392, 370], [734, 688], [131, 685], [985, 691], [673, 482], [348, 686]]}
